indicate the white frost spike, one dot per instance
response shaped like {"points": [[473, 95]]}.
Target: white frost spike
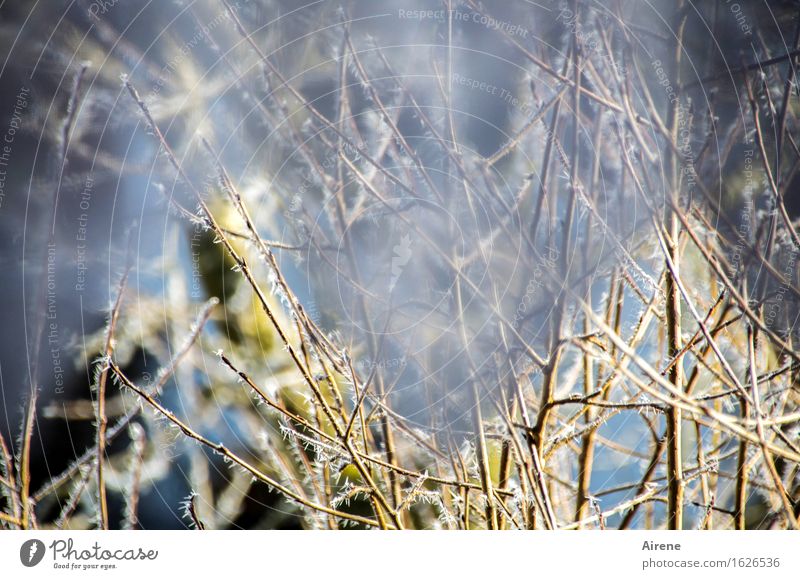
{"points": [[402, 255]]}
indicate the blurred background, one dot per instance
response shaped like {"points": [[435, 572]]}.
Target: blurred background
{"points": [[454, 114]]}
